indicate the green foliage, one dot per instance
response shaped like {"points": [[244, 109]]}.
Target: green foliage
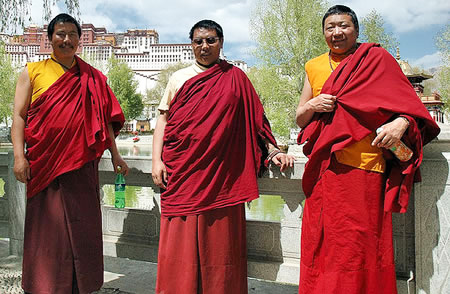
{"points": [[8, 79], [276, 94], [124, 86], [288, 33], [443, 44], [443, 76], [156, 93], [372, 31], [13, 13]]}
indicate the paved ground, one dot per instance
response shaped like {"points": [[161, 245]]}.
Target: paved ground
{"points": [[122, 276]]}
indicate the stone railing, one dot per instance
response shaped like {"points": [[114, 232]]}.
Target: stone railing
{"points": [[421, 236]]}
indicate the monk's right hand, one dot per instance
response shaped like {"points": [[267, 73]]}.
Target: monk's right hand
{"points": [[322, 103], [22, 170], [159, 173]]}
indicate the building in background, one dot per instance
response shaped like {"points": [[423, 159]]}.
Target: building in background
{"points": [[433, 102]]}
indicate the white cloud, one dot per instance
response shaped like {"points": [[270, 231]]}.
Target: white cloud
{"points": [[427, 61], [405, 15], [171, 18]]}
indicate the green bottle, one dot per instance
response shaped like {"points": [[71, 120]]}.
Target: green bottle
{"points": [[119, 188]]}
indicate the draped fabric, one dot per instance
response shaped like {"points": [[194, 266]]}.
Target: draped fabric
{"points": [[213, 142], [67, 126], [206, 253], [371, 90], [346, 237], [63, 248]]}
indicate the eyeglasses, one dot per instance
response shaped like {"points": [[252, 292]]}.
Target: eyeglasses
{"points": [[209, 41]]}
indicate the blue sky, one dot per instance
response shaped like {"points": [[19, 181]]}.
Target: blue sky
{"points": [[412, 22]]}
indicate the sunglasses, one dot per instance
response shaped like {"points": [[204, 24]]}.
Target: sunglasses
{"points": [[209, 41]]}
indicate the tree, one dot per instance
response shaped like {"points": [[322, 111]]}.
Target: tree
{"points": [[372, 31], [124, 86], [8, 79], [443, 76], [156, 93], [287, 33], [13, 13]]}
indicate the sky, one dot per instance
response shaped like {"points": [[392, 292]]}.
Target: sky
{"points": [[415, 23]]}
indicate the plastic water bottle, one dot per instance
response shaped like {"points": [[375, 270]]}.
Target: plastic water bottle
{"points": [[400, 150], [119, 190]]}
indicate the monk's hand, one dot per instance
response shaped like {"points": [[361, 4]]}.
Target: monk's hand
{"points": [[283, 161], [322, 103], [117, 161], [22, 169], [159, 173], [391, 133]]}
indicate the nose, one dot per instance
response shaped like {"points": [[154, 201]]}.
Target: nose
{"points": [[204, 44], [337, 30]]}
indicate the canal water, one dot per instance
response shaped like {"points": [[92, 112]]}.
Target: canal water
{"points": [[267, 207]]}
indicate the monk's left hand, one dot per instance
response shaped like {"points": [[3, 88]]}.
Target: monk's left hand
{"points": [[117, 160], [283, 161], [391, 133]]}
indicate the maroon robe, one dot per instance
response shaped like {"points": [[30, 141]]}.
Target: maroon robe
{"points": [[213, 142], [213, 149], [67, 126], [66, 134]]}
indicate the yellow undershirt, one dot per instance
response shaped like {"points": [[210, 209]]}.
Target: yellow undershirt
{"points": [[361, 154], [43, 74]]}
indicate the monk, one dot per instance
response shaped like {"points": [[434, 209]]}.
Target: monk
{"points": [[65, 116], [352, 181], [209, 142]]}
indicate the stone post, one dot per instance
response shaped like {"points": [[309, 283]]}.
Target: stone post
{"points": [[17, 202]]}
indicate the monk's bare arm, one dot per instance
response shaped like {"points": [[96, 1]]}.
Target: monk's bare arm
{"points": [[22, 100], [308, 104], [159, 172], [116, 158]]}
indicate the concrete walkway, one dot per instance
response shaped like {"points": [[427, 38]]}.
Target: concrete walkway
{"points": [[122, 276]]}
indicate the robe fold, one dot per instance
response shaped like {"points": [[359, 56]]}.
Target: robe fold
{"points": [[371, 90], [213, 142], [67, 126]]}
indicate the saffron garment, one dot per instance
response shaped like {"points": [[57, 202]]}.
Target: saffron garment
{"points": [[346, 225], [213, 142], [66, 134], [206, 253], [43, 74]]}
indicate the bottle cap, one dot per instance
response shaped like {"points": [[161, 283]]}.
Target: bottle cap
{"points": [[119, 168]]}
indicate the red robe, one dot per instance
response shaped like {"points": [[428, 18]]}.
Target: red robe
{"points": [[371, 90], [67, 126], [213, 142], [346, 242]]}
